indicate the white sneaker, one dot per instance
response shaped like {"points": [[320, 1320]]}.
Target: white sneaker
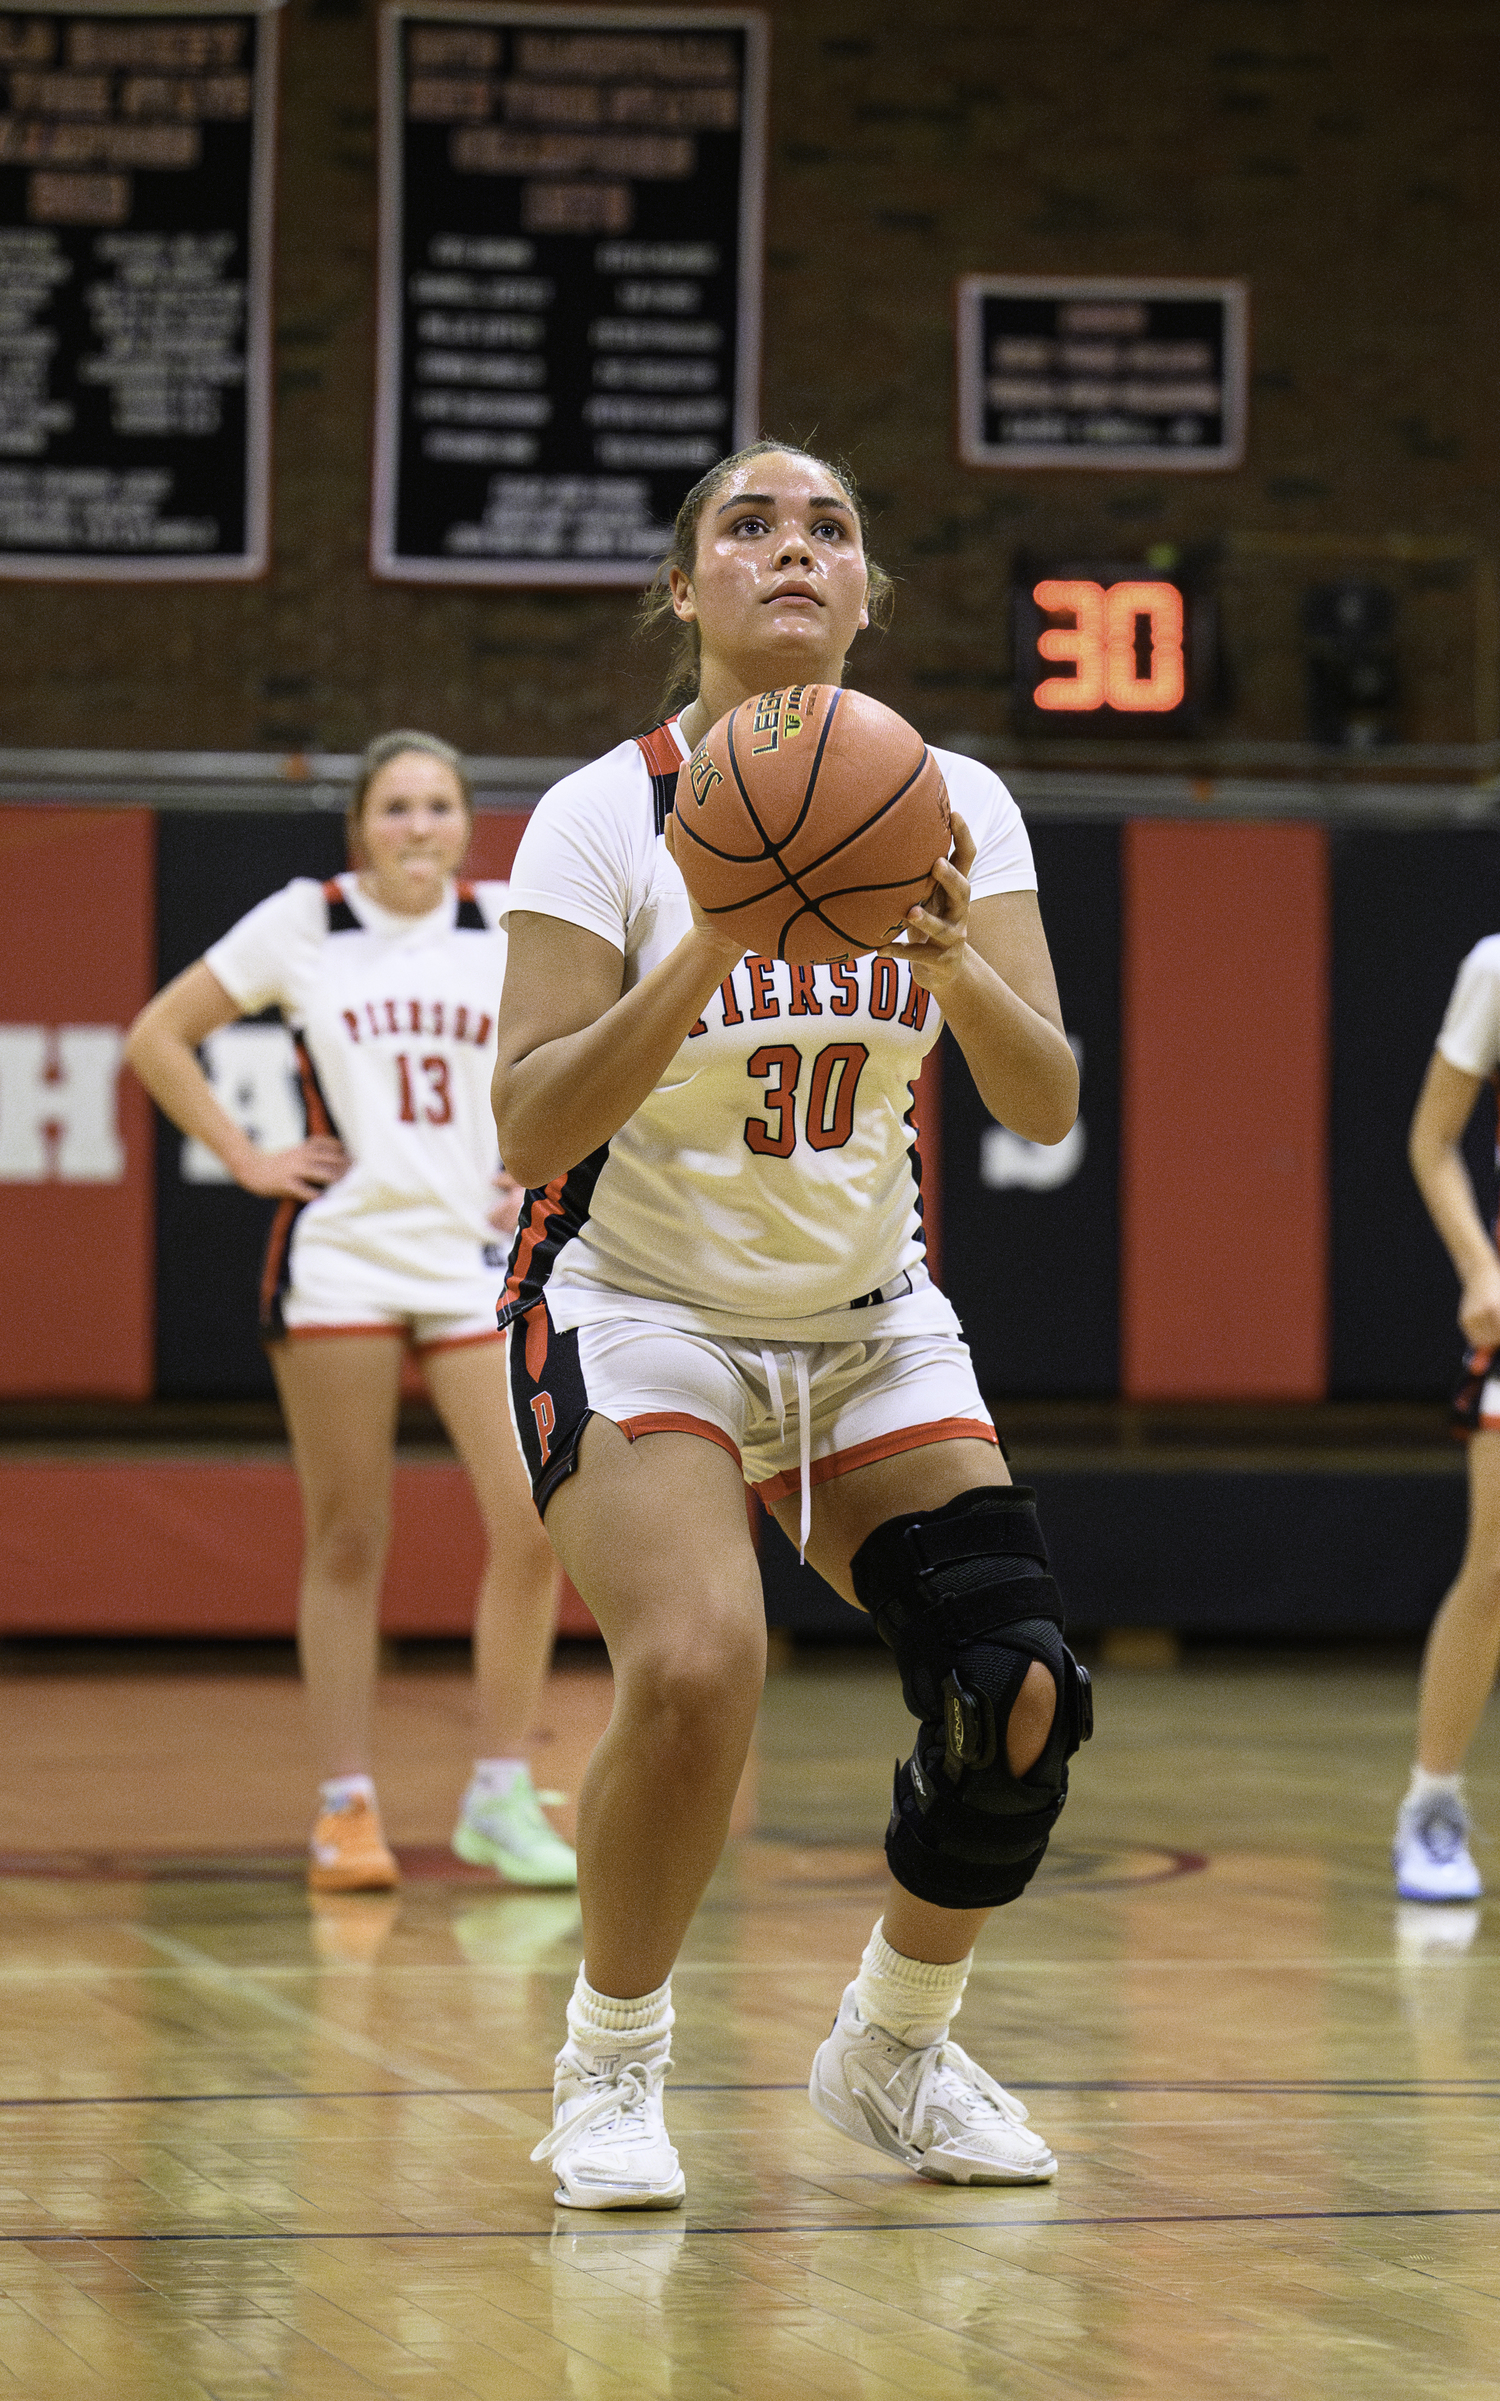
{"points": [[509, 1833], [1431, 1851], [934, 2109], [608, 2147]]}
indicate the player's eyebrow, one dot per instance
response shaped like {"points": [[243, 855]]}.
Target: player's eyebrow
{"points": [[767, 500]]}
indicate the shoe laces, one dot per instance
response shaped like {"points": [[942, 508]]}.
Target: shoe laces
{"points": [[948, 2079], [620, 2104]]}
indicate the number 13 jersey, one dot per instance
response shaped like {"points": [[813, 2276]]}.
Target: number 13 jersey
{"points": [[394, 1021], [770, 1181]]}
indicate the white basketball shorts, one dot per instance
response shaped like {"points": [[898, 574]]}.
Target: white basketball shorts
{"points": [[793, 1414]]}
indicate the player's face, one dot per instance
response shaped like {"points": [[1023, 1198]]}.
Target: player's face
{"points": [[415, 830], [778, 584]]}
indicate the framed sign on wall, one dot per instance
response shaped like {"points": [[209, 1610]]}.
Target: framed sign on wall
{"points": [[1111, 648], [570, 283], [1101, 371], [136, 173]]}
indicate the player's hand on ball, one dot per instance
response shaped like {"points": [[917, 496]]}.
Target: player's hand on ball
{"points": [[730, 944], [937, 933], [297, 1174], [508, 1198], [1479, 1309]]}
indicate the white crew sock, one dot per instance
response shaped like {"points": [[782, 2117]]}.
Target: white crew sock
{"points": [[1427, 1787], [605, 2034], [339, 1791], [498, 1776], [909, 1998]]}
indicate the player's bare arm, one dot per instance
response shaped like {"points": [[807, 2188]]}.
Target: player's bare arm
{"points": [[1444, 1107], [577, 1055], [162, 1048], [987, 965]]}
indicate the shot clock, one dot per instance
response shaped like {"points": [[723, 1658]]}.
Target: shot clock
{"points": [[1111, 649]]}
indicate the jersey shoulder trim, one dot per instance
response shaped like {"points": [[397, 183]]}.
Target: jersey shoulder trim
{"points": [[663, 756], [341, 918]]}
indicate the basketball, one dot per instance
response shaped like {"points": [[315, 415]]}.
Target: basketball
{"points": [[808, 821]]}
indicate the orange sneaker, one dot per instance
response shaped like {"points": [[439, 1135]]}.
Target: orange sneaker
{"points": [[349, 1853]]}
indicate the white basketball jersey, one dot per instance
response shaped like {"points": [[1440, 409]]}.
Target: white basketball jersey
{"points": [[394, 1019], [770, 1180]]}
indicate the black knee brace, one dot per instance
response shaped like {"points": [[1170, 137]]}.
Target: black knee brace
{"points": [[964, 1600]]}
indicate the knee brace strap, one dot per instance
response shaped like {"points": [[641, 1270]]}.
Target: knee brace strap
{"points": [[964, 1599]]}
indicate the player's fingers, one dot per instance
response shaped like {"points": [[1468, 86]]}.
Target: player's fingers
{"points": [[951, 889], [963, 845]]}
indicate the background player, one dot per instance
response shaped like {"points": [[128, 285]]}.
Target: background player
{"points": [[389, 976], [715, 1284], [1432, 1857]]}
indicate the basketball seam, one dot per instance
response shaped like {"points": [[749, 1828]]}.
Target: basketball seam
{"points": [[771, 852]]}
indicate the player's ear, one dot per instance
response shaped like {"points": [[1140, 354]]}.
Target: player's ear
{"points": [[680, 585]]}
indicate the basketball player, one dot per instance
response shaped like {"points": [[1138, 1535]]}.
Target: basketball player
{"points": [[1432, 1857], [718, 1276], [387, 1234]]}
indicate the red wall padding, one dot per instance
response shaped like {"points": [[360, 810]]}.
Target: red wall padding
{"points": [[212, 1547], [1224, 1138], [79, 949]]}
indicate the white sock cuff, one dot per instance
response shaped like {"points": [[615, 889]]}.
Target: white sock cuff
{"points": [[919, 1977], [338, 1791], [593, 2013], [500, 1775], [1424, 1786], [914, 1999]]}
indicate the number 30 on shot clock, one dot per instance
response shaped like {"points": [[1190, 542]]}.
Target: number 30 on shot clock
{"points": [[1110, 650]]}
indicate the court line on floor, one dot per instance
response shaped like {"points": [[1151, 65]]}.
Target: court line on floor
{"points": [[1407, 2088], [637, 2229]]}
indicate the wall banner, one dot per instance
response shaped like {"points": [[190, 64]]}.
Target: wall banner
{"points": [[570, 283], [1101, 371], [136, 166]]}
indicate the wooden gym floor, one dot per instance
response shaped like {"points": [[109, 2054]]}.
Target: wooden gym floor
{"points": [[254, 2149]]}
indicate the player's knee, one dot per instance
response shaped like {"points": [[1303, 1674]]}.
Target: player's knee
{"points": [[964, 1600], [698, 1681], [346, 1546], [1031, 1715]]}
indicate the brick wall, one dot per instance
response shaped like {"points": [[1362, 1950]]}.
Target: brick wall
{"points": [[1338, 156]]}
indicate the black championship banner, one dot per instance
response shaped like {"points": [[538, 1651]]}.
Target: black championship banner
{"points": [[136, 163], [1101, 371], [570, 284]]}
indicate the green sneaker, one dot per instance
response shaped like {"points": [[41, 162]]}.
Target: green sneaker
{"points": [[509, 1833]]}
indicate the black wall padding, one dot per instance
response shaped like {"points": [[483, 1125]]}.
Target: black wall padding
{"points": [[1263, 1554], [1035, 1275], [1406, 907], [1308, 1555], [210, 1237]]}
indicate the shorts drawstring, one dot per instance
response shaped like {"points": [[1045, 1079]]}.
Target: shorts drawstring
{"points": [[804, 1430]]}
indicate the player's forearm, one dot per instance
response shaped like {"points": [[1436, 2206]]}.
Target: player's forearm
{"points": [[1443, 1181], [569, 1096], [1025, 1072], [169, 1069]]}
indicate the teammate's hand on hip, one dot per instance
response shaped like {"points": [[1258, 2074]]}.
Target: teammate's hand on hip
{"points": [[507, 1208], [1479, 1308], [937, 934], [296, 1174]]}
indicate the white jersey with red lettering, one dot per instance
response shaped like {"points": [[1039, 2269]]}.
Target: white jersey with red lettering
{"points": [[394, 1023], [770, 1182]]}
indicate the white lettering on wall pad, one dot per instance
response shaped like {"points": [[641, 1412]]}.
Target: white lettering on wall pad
{"points": [[59, 1104]]}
